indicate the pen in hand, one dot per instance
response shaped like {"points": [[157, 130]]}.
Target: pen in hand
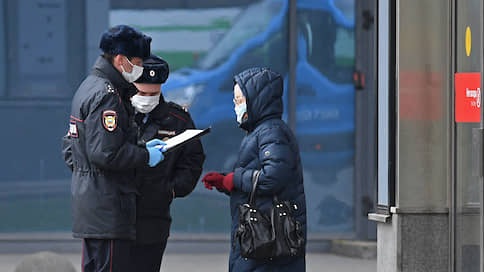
{"points": [[161, 147]]}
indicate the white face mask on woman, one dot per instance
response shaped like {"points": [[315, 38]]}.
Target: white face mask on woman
{"points": [[240, 110], [135, 73], [145, 104]]}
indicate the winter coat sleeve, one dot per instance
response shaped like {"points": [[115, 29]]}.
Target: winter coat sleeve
{"points": [[188, 168], [278, 164], [67, 151], [110, 150]]}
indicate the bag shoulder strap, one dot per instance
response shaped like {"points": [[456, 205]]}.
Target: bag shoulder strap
{"points": [[255, 179]]}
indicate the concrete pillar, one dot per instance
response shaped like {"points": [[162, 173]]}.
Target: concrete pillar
{"points": [[413, 242], [413, 235]]}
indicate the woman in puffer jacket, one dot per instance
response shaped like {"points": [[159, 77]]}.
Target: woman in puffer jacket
{"points": [[269, 147]]}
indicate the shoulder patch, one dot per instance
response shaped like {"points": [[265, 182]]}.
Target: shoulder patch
{"points": [[73, 129], [110, 120]]}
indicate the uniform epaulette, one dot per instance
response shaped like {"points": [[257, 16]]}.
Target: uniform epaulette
{"points": [[111, 90], [109, 87], [176, 106], [179, 111]]}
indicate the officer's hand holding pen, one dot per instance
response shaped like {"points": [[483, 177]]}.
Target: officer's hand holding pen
{"points": [[155, 149]]}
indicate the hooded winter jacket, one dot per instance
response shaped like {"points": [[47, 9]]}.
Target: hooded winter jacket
{"points": [[271, 148]]}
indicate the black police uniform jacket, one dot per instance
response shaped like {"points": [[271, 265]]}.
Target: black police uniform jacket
{"points": [[175, 176], [271, 148], [101, 150]]}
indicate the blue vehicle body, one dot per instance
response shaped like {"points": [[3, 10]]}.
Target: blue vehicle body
{"points": [[324, 113], [329, 111], [325, 109]]}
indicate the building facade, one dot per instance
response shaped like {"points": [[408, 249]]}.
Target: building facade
{"points": [[50, 45], [429, 198]]}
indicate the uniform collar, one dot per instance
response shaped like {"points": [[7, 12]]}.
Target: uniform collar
{"points": [[105, 69], [161, 109]]}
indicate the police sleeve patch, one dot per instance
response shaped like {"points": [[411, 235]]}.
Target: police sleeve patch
{"points": [[73, 129], [110, 120]]}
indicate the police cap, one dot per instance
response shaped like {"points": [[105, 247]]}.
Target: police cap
{"points": [[155, 71], [125, 40]]}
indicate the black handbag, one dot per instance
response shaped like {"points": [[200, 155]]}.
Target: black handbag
{"points": [[270, 235]]}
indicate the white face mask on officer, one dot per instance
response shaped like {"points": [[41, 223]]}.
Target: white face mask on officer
{"points": [[145, 104], [135, 73]]}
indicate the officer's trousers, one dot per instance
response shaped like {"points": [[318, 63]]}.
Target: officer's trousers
{"points": [[147, 258], [99, 255]]}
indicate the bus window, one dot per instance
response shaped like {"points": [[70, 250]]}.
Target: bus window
{"points": [[253, 21], [330, 47]]}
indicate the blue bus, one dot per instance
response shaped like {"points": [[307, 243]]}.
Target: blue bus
{"points": [[325, 110]]}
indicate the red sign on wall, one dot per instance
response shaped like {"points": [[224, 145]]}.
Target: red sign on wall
{"points": [[467, 97]]}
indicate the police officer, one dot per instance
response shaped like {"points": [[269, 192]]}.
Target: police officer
{"points": [[101, 150], [175, 176]]}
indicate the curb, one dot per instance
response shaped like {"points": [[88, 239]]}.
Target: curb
{"points": [[354, 248]]}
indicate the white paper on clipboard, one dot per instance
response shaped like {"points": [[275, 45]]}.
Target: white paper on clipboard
{"points": [[182, 139]]}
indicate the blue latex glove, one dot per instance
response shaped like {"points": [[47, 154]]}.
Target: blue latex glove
{"points": [[155, 152]]}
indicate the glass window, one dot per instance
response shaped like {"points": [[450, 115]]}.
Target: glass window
{"points": [[423, 104], [43, 60], [256, 36], [205, 48], [3, 50], [330, 45], [252, 22], [46, 60], [34, 181], [325, 114], [272, 53]]}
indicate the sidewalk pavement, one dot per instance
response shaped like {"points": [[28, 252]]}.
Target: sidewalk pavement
{"points": [[182, 262], [192, 252]]}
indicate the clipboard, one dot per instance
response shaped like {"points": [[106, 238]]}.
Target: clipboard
{"points": [[182, 139]]}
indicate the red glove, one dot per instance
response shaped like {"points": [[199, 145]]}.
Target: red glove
{"points": [[213, 179], [219, 181], [228, 182]]}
